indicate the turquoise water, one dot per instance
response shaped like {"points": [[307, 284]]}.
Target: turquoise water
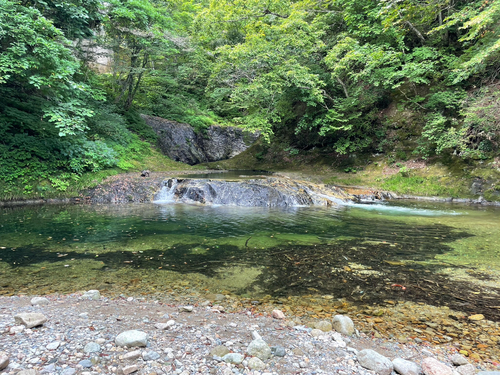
{"points": [[355, 252]]}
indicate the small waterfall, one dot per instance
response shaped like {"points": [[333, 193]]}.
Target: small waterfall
{"points": [[167, 192]]}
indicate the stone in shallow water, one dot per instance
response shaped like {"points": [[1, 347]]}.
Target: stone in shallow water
{"points": [[374, 361], [343, 324], [476, 317], [92, 295], [324, 325], [404, 367], [431, 366], [30, 320], [259, 348], [132, 338]]}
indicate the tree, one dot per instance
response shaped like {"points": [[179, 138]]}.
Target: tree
{"points": [[139, 34]]}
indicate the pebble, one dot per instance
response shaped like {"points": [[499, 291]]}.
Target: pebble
{"points": [[132, 338], [405, 367], [16, 329], [94, 295], [259, 348], [92, 347], [4, 360], [129, 369], [278, 351], [86, 363], [68, 371], [28, 372], [150, 355], [219, 351], [278, 314], [234, 358], [53, 345], [324, 325], [343, 324], [38, 301], [431, 366], [255, 363], [186, 308], [458, 360], [467, 369], [30, 320], [374, 361]]}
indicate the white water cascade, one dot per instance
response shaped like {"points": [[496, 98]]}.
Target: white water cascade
{"points": [[167, 192]]}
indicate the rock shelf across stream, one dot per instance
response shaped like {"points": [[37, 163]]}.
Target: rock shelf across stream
{"points": [[128, 335]]}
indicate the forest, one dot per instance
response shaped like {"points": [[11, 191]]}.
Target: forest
{"points": [[308, 74]]}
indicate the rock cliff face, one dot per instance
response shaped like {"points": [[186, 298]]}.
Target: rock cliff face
{"points": [[181, 143]]}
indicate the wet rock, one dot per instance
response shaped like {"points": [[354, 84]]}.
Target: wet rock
{"points": [[324, 325], [92, 347], [476, 317], [92, 295], [4, 360], [404, 367], [259, 348], [38, 301], [278, 314], [431, 366], [374, 361], [255, 363], [30, 320], [458, 360], [343, 324], [234, 358], [132, 338], [467, 369], [219, 351]]}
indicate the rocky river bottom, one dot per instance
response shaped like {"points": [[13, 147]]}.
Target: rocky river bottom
{"points": [[86, 333]]}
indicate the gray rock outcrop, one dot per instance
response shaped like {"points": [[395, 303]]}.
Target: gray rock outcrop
{"points": [[182, 143]]}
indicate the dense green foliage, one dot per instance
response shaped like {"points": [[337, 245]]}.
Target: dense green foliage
{"points": [[305, 73]]}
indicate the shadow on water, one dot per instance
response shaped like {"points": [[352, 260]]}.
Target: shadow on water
{"points": [[364, 270]]}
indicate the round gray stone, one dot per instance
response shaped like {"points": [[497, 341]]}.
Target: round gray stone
{"points": [[86, 363], [343, 324], [259, 348], [374, 361], [255, 363], [234, 358], [132, 338], [92, 347]]}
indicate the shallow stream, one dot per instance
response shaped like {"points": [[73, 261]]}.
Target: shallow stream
{"points": [[444, 255]]}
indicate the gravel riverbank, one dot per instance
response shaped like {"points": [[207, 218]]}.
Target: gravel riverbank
{"points": [[84, 334]]}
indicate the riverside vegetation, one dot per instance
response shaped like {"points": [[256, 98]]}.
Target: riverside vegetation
{"points": [[331, 81]]}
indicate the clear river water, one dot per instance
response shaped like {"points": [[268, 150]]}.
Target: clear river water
{"points": [[427, 253]]}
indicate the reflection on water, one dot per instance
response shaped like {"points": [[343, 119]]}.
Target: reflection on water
{"points": [[354, 251]]}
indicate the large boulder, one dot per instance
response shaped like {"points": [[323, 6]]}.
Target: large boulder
{"points": [[182, 143]]}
